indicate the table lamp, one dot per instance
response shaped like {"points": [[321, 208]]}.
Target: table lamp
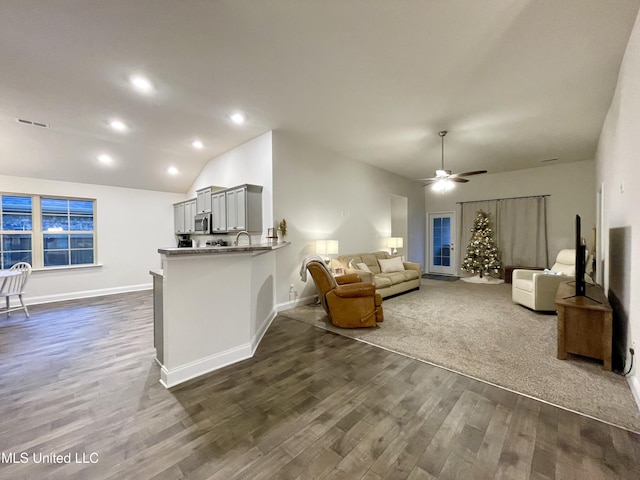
{"points": [[326, 248], [394, 243]]}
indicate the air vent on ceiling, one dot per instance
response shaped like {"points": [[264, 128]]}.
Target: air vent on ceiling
{"points": [[549, 160], [34, 124]]}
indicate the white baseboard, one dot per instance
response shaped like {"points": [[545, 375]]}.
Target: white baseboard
{"points": [[257, 338], [60, 297], [634, 385], [296, 303], [176, 376]]}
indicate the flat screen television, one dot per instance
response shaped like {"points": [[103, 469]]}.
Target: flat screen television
{"points": [[581, 253]]}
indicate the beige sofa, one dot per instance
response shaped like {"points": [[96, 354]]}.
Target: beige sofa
{"points": [[386, 283]]}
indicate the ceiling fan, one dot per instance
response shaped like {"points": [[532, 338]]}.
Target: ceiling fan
{"points": [[443, 181]]}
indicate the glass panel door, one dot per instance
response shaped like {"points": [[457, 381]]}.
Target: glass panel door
{"points": [[441, 247]]}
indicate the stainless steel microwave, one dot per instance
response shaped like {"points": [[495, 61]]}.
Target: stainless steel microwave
{"points": [[203, 223]]}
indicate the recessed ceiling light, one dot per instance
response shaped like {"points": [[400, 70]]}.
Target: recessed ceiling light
{"points": [[197, 144], [172, 171], [142, 84], [105, 159], [118, 125], [238, 118]]}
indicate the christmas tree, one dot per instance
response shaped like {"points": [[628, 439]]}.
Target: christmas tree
{"points": [[482, 254]]}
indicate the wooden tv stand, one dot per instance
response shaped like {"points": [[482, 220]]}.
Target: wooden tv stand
{"points": [[584, 325]]}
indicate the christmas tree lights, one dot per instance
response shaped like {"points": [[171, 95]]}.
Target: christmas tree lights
{"points": [[482, 253]]}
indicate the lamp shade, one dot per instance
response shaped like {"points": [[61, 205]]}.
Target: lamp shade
{"points": [[326, 247], [395, 242]]}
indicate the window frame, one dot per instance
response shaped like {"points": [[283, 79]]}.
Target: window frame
{"points": [[37, 232], [4, 232]]}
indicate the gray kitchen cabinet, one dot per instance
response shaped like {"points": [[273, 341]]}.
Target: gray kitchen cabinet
{"points": [[178, 218], [184, 217], [244, 208], [219, 212], [190, 216], [203, 200]]}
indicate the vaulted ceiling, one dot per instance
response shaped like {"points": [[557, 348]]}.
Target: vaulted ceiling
{"points": [[515, 83]]}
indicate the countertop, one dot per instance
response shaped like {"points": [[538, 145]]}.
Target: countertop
{"points": [[173, 251]]}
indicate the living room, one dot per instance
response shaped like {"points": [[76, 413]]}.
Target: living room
{"points": [[323, 193]]}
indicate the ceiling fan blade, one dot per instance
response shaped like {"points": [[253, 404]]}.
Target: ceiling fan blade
{"points": [[430, 179], [466, 174], [459, 180]]}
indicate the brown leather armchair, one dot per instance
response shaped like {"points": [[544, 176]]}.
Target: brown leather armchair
{"points": [[349, 303]]}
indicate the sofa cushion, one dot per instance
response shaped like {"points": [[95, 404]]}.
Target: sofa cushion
{"points": [[390, 265], [398, 277], [382, 280], [353, 263], [371, 261], [411, 274], [363, 266]]}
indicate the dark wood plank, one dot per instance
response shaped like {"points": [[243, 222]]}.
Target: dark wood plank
{"points": [[80, 377]]}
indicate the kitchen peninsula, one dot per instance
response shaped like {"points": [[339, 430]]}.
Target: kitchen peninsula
{"points": [[212, 305]]}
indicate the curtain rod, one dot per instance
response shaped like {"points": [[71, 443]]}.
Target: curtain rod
{"points": [[509, 198]]}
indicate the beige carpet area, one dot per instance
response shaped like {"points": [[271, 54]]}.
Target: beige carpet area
{"points": [[477, 330]]}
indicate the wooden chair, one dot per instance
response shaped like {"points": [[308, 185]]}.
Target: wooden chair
{"points": [[14, 285]]}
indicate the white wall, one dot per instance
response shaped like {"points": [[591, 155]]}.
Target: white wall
{"points": [[131, 225], [251, 163], [571, 187], [400, 220], [618, 170], [325, 196]]}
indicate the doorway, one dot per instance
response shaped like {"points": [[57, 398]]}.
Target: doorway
{"points": [[441, 248]]}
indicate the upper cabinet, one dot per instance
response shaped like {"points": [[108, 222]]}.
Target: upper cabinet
{"points": [[244, 208], [219, 212], [203, 199], [232, 210], [190, 216], [184, 217], [178, 218]]}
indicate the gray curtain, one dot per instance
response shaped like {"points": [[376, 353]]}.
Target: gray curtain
{"points": [[519, 226]]}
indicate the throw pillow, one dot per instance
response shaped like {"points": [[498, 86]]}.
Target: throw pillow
{"points": [[363, 266], [390, 265]]}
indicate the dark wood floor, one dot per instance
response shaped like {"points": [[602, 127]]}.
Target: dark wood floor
{"points": [[79, 378]]}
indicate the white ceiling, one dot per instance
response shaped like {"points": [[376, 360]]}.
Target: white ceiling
{"points": [[515, 82]]}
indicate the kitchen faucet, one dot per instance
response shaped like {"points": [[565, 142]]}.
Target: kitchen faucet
{"points": [[238, 237]]}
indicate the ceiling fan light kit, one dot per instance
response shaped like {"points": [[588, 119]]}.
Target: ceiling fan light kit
{"points": [[443, 185], [444, 179]]}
